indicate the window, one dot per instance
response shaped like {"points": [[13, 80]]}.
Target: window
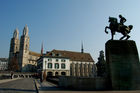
{"points": [[56, 60], [63, 66], [57, 54], [53, 54], [49, 59], [26, 48], [63, 73], [49, 65], [56, 66], [63, 60]]}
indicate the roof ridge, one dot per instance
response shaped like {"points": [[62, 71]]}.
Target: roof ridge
{"points": [[33, 52], [69, 51]]}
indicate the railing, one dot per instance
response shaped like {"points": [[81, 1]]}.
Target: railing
{"points": [[5, 75]]}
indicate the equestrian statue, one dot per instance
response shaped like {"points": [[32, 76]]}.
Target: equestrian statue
{"points": [[114, 26]]}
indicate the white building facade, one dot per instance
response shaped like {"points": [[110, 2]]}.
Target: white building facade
{"points": [[54, 66], [59, 62], [3, 64]]}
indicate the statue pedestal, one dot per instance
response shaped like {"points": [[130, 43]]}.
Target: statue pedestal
{"points": [[123, 64]]}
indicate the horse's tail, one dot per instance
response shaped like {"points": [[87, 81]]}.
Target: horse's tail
{"points": [[129, 28]]}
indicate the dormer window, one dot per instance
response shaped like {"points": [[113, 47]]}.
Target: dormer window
{"points": [[58, 54], [53, 54]]}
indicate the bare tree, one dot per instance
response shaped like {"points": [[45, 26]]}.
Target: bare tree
{"points": [[13, 64]]}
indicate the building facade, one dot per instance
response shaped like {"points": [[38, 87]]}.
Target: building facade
{"points": [[54, 65], [20, 48], [75, 63], [78, 64], [3, 64]]}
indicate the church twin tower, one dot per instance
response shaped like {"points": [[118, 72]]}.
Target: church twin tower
{"points": [[20, 48]]}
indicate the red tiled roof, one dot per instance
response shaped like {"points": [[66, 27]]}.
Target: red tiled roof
{"points": [[34, 53], [74, 56]]}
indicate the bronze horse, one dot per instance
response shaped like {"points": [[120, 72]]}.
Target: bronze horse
{"points": [[114, 26]]}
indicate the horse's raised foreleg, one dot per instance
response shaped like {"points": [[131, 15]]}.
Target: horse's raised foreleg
{"points": [[106, 29]]}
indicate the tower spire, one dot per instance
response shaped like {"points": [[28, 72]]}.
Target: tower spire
{"points": [[25, 30], [42, 49], [82, 49], [16, 33]]}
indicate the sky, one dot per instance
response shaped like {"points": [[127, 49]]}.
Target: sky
{"points": [[64, 24]]}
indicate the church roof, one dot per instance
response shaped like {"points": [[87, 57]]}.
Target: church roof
{"points": [[74, 56], [34, 53], [3, 59]]}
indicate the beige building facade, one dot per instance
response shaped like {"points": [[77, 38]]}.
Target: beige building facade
{"points": [[20, 48]]}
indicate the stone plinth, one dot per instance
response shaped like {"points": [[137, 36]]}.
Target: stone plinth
{"points": [[83, 83], [123, 64]]}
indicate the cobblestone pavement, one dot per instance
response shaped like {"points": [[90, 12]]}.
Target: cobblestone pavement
{"points": [[18, 86]]}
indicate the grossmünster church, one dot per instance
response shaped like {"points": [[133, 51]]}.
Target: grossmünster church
{"points": [[80, 63], [20, 49]]}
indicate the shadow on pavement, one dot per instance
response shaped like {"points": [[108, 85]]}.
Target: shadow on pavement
{"points": [[50, 88], [12, 89]]}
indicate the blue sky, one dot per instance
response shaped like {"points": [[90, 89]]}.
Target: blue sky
{"points": [[64, 24]]}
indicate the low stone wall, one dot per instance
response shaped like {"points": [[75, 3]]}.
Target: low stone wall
{"points": [[83, 83], [5, 77]]}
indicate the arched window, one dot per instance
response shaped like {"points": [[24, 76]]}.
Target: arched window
{"points": [[63, 73], [56, 73], [49, 74], [26, 47]]}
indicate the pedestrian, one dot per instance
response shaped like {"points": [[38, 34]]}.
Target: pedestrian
{"points": [[11, 74]]}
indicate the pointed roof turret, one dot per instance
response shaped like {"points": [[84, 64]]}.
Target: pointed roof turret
{"points": [[25, 30], [82, 49], [42, 49], [16, 33]]}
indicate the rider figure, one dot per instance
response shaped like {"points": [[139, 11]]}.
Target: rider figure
{"points": [[121, 24], [122, 20]]}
